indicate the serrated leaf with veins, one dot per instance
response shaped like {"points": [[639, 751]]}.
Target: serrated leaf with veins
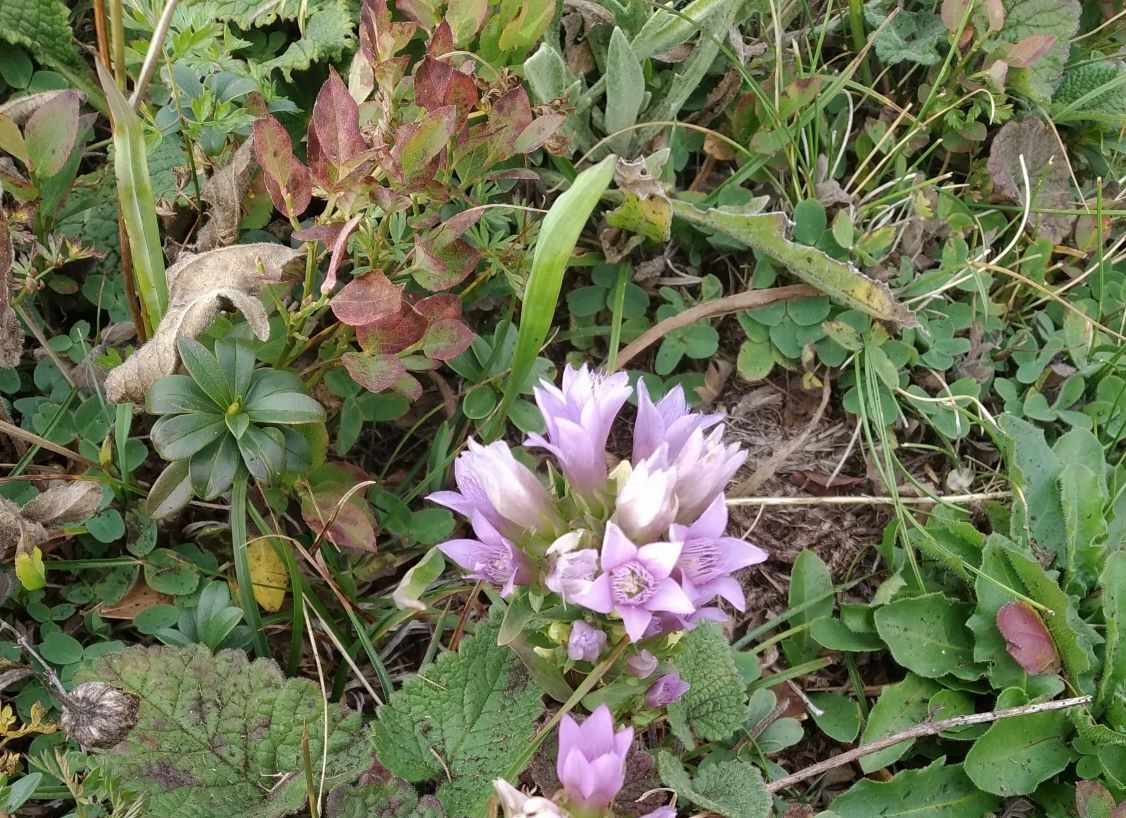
{"points": [[199, 287], [219, 735], [463, 723], [715, 705]]}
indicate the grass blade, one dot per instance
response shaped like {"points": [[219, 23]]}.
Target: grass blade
{"points": [[558, 235], [138, 208]]}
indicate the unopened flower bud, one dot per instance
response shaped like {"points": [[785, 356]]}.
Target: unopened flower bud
{"points": [[97, 714]]}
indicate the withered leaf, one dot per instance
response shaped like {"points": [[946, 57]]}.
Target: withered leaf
{"points": [[1027, 638], [223, 193], [11, 335], [198, 288], [64, 503]]}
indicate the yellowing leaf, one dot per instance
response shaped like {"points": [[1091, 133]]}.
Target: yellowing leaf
{"points": [[30, 571], [268, 574]]}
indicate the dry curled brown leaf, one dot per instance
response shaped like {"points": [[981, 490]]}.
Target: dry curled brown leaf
{"points": [[11, 336], [64, 503], [224, 193], [198, 288]]}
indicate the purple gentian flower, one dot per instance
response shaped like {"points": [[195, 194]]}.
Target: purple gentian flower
{"points": [[592, 759], [491, 558], [646, 502], [635, 582], [572, 568], [667, 811], [578, 419], [515, 804], [708, 558], [642, 665], [503, 490], [704, 466], [668, 422], [666, 690], [586, 643]]}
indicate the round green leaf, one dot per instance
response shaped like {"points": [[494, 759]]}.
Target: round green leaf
{"points": [[106, 526], [168, 573], [61, 649], [479, 402], [153, 619]]}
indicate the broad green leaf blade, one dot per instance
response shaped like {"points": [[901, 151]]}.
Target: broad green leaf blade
{"points": [[1015, 755], [811, 592], [138, 207], [900, 706], [206, 373], [715, 705], [263, 452], [419, 577], [733, 789], [213, 470], [625, 89], [665, 30], [176, 437], [928, 636], [175, 395], [766, 232], [468, 718], [286, 408], [220, 736], [557, 238], [236, 360], [170, 492], [932, 792]]}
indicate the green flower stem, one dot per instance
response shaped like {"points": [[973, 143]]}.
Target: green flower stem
{"points": [[585, 687], [242, 564]]}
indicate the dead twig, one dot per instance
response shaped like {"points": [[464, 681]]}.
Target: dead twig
{"points": [[869, 500], [928, 728], [747, 300]]}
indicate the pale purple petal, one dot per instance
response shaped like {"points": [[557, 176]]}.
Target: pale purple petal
{"points": [[646, 502], [642, 665], [585, 643], [660, 557], [636, 621], [598, 597], [617, 548], [666, 690], [661, 812], [669, 596]]}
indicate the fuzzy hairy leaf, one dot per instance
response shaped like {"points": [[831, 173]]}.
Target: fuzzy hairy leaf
{"points": [[329, 31], [1093, 90], [469, 716], [911, 36], [43, 27], [733, 789], [1046, 18], [715, 705], [219, 735], [935, 791]]}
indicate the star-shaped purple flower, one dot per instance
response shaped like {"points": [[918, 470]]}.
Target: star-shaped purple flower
{"points": [[635, 582], [708, 558], [492, 558], [592, 759], [578, 419]]}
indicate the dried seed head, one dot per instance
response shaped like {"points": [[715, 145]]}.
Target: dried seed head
{"points": [[97, 714]]}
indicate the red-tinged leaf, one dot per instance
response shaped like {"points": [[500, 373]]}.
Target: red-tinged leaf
{"points": [[1028, 50], [1093, 800], [419, 144], [425, 12], [51, 133], [436, 307], [441, 41], [446, 338], [334, 132], [439, 268], [389, 73], [366, 299], [995, 13], [322, 495], [389, 200], [287, 179], [465, 18], [339, 246], [380, 38], [437, 84], [375, 373], [509, 116], [1027, 638], [394, 333], [327, 233], [535, 135]]}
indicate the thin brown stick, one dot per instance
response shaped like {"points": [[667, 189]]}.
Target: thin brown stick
{"points": [[928, 728], [17, 433], [747, 300], [100, 30]]}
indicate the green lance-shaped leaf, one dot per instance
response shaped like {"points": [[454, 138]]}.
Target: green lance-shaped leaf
{"points": [[557, 238], [138, 209], [767, 233], [219, 735]]}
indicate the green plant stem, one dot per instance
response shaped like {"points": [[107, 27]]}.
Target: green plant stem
{"points": [[242, 564], [585, 687], [616, 321], [117, 36]]}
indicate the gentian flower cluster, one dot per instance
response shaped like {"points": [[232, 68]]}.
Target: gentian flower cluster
{"points": [[590, 765], [638, 548]]}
